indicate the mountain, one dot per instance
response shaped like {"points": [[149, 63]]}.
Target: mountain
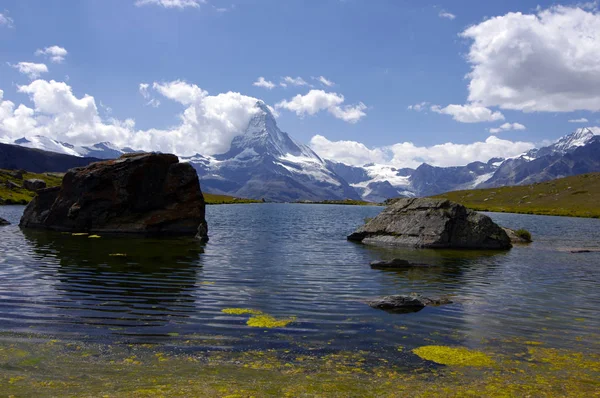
{"points": [[102, 150], [39, 161], [264, 162]]}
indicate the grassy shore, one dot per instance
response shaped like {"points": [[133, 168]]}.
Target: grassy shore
{"points": [[575, 196], [21, 195], [213, 199]]}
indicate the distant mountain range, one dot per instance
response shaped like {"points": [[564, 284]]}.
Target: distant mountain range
{"points": [[265, 163]]}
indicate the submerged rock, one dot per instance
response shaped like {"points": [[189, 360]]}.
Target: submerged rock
{"points": [[3, 222], [401, 303], [397, 263], [147, 193], [406, 304], [432, 223], [34, 184]]}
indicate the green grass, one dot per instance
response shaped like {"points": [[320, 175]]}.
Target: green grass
{"points": [[575, 196], [524, 234], [23, 196], [213, 199]]}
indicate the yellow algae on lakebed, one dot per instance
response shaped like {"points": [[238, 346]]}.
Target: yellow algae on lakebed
{"points": [[267, 321], [453, 356]]}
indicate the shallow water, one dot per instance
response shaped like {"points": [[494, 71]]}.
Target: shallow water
{"points": [[291, 260]]}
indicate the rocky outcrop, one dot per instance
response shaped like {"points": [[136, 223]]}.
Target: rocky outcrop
{"points": [[3, 222], [405, 304], [432, 223], [149, 194], [34, 184], [397, 263]]}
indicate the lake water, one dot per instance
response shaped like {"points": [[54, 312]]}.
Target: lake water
{"points": [[290, 260]]}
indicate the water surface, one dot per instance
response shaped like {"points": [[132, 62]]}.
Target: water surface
{"points": [[292, 260]]}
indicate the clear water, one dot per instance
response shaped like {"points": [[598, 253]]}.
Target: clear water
{"points": [[293, 260]]}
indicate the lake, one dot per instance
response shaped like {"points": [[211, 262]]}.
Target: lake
{"points": [[292, 261]]}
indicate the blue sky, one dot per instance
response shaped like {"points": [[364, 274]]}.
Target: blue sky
{"points": [[382, 56]]}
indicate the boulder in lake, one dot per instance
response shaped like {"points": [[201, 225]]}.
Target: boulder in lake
{"points": [[432, 223], [3, 222], [34, 184], [405, 304], [397, 263], [147, 193]]}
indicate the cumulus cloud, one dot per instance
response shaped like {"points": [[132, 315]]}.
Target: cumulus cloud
{"points": [[507, 127], [56, 54], [469, 113], [32, 70], [7, 21], [293, 81], [581, 120], [207, 124], [324, 81], [318, 100], [421, 106], [406, 154], [447, 15], [171, 3], [548, 61], [261, 82]]}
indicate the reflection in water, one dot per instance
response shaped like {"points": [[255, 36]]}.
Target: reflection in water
{"points": [[122, 283], [294, 261]]}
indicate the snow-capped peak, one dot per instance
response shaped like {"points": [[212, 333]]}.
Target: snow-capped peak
{"points": [[263, 136], [579, 137]]}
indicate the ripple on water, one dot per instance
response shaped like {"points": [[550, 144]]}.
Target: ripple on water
{"points": [[294, 261]]}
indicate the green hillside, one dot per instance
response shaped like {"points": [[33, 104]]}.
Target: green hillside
{"points": [[19, 195], [212, 199], [576, 196]]}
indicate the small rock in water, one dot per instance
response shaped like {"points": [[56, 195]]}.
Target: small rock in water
{"points": [[586, 251], [3, 222], [397, 263], [405, 304]]}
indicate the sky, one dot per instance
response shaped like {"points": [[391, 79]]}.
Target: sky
{"points": [[360, 81]]}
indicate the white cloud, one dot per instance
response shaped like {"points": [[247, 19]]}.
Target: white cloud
{"points": [[318, 100], [261, 82], [469, 113], [171, 3], [207, 124], [324, 81], [294, 81], [7, 21], [144, 91], [582, 120], [349, 152], [421, 106], [406, 154], [447, 15], [32, 70], [56, 54], [548, 61], [507, 127]]}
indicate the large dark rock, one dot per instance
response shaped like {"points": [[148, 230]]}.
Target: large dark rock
{"points": [[150, 194], [432, 223], [406, 304], [34, 184], [3, 222]]}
